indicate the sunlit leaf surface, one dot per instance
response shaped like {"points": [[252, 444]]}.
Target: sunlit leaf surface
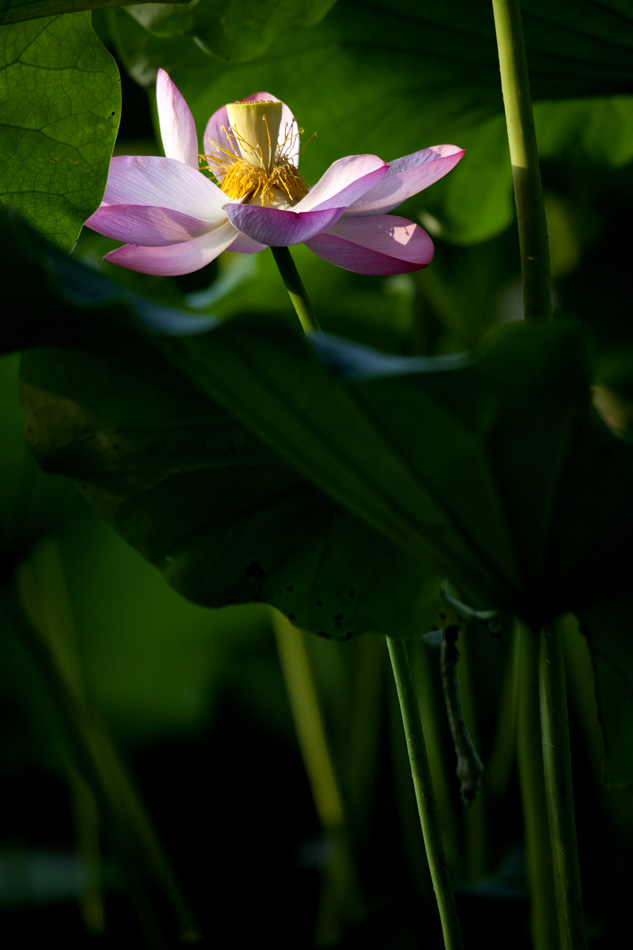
{"points": [[59, 115]]}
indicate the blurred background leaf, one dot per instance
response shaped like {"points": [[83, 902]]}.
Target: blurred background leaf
{"points": [[68, 301], [604, 626], [233, 30], [393, 79]]}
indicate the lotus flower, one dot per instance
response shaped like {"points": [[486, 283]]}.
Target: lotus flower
{"points": [[175, 219]]}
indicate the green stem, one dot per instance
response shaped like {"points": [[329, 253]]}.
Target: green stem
{"points": [[477, 823], [430, 699], [528, 191], [295, 288], [87, 824], [405, 685], [537, 300], [558, 786], [469, 765], [48, 637], [422, 783], [342, 901], [531, 780]]}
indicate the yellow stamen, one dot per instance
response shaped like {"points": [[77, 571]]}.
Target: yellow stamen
{"points": [[243, 180], [257, 165]]}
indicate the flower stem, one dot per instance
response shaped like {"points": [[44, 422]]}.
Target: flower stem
{"points": [[469, 765], [528, 191], [421, 774], [531, 780], [295, 288], [532, 226], [405, 685], [558, 787]]}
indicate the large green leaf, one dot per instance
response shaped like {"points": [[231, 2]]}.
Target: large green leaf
{"points": [[391, 78], [207, 502], [233, 30], [576, 47], [318, 545], [247, 458], [496, 473], [12, 11], [59, 114]]}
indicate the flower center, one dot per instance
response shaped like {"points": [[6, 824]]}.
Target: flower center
{"points": [[255, 126], [258, 165]]}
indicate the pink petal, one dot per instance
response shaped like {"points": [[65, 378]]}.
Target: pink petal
{"points": [[177, 128], [215, 134], [245, 245], [174, 259], [379, 245], [279, 228], [216, 140], [163, 183], [146, 225], [407, 176], [345, 181]]}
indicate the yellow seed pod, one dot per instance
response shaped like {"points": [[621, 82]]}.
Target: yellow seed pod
{"points": [[255, 127]]}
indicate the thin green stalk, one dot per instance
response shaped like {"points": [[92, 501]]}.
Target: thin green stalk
{"points": [[531, 780], [342, 896], [528, 191], [537, 301], [476, 818], [295, 288], [87, 825], [404, 683], [342, 901], [46, 631], [81, 736], [306, 710], [422, 783], [363, 734], [430, 697], [469, 765], [558, 785]]}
